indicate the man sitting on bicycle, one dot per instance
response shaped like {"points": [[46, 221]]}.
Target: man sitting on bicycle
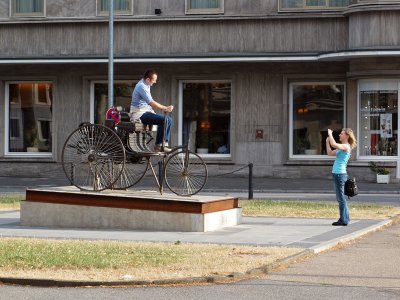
{"points": [[142, 108]]}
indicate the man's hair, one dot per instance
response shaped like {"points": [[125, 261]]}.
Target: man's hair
{"points": [[149, 74]]}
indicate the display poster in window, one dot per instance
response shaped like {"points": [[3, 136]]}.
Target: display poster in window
{"points": [[386, 125]]}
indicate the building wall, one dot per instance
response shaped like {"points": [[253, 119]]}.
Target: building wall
{"points": [[87, 8], [259, 90], [258, 101], [374, 29], [174, 38]]}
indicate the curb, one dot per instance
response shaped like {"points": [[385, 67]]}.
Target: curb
{"points": [[354, 235]]}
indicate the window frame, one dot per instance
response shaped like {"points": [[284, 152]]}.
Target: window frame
{"points": [[202, 11], [294, 157], [305, 7], [7, 136], [102, 13], [180, 116], [14, 14], [378, 157]]}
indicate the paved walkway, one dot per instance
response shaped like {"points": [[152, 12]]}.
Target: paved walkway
{"points": [[314, 234]]}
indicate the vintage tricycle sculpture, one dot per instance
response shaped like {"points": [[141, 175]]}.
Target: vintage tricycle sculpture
{"points": [[116, 156]]}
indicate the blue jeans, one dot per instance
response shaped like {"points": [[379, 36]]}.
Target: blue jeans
{"points": [[149, 118], [338, 183]]}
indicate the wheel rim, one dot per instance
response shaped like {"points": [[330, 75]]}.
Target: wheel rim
{"points": [[185, 181], [132, 173], [93, 157]]}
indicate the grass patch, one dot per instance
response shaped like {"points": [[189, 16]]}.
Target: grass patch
{"points": [[11, 201], [310, 209], [103, 260]]}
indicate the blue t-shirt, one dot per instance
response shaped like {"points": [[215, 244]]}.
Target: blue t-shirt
{"points": [[340, 164], [141, 96]]}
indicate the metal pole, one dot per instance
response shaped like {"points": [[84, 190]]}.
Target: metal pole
{"points": [[111, 54], [161, 174], [250, 181]]}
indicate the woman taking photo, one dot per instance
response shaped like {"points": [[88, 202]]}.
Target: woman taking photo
{"points": [[342, 151]]}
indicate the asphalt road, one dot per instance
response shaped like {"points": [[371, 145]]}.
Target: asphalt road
{"points": [[255, 289], [276, 189]]}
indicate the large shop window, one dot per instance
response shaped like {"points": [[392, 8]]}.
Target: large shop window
{"points": [[290, 5], [378, 118], [204, 6], [26, 8], [121, 7], [122, 97], [29, 118], [314, 107], [206, 117]]}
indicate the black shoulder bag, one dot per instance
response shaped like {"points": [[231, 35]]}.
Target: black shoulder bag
{"points": [[351, 188]]}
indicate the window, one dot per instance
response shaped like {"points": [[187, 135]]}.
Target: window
{"points": [[27, 8], [378, 119], [29, 120], [206, 117], [288, 5], [121, 7], [204, 6], [314, 107], [122, 97]]}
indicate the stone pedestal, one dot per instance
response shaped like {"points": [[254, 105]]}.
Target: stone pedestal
{"points": [[139, 210]]}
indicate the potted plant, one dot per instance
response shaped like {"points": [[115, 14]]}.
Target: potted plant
{"points": [[382, 173], [303, 144], [31, 140]]}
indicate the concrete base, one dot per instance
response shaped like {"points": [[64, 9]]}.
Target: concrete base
{"points": [[63, 215], [69, 207]]}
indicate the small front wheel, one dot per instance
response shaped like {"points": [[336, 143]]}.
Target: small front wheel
{"points": [[185, 173]]}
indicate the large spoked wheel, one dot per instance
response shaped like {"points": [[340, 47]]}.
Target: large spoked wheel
{"points": [[133, 172], [185, 173], [93, 157]]}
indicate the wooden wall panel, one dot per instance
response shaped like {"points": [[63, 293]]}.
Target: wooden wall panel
{"points": [[374, 29], [169, 8], [4, 9], [167, 38], [70, 8], [258, 102]]}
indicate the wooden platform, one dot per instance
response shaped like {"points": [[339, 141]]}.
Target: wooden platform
{"points": [[148, 210]]}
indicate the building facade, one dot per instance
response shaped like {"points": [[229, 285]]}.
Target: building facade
{"points": [[252, 81]]}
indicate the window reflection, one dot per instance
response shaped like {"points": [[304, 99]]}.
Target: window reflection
{"points": [[316, 107], [207, 116], [30, 117], [122, 97]]}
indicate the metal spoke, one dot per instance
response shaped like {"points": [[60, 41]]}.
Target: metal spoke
{"points": [[93, 157], [189, 180]]}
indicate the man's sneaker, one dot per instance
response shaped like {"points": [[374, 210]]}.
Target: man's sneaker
{"points": [[158, 149]]}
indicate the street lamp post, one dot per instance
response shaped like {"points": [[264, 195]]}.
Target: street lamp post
{"points": [[111, 54]]}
